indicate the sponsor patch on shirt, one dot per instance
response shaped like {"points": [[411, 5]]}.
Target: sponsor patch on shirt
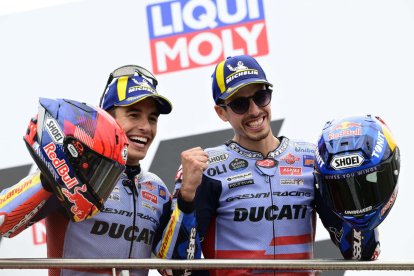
{"points": [[308, 161], [241, 183], [148, 185], [290, 170], [162, 192], [238, 164], [148, 206], [218, 158], [150, 197], [290, 159], [291, 181], [239, 176], [114, 197]]}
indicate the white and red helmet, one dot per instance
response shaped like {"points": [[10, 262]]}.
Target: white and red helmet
{"points": [[81, 151]]}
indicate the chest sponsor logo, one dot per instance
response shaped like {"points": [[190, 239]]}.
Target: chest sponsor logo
{"points": [[302, 148], [266, 163], [149, 206], [268, 194], [148, 186], [241, 183], [188, 34], [114, 197], [150, 197], [272, 212], [290, 170], [290, 159], [308, 161], [292, 181], [116, 211], [238, 164], [347, 161], [239, 176], [122, 231], [218, 158], [162, 192], [216, 170]]}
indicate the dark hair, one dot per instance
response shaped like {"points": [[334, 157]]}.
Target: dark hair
{"points": [[111, 111], [220, 102]]}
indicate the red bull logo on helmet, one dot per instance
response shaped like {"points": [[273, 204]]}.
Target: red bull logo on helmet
{"points": [[191, 33], [60, 165], [81, 206]]}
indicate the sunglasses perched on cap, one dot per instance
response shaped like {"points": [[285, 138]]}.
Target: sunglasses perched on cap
{"points": [[129, 70], [242, 104]]}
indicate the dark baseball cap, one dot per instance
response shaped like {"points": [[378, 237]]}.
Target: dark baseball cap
{"points": [[128, 90], [234, 73]]}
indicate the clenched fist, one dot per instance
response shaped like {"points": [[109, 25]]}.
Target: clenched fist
{"points": [[194, 161]]}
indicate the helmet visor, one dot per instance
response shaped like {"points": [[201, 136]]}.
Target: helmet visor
{"points": [[357, 193], [98, 172]]}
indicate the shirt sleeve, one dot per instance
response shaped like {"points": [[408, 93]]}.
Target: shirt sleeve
{"points": [[179, 238], [23, 204]]}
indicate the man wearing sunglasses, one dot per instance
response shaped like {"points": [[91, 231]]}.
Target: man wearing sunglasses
{"points": [[256, 199]]}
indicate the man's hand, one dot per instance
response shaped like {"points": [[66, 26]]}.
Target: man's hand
{"points": [[194, 161]]}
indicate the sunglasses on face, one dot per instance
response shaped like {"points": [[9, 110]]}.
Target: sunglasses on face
{"points": [[128, 70], [241, 105]]}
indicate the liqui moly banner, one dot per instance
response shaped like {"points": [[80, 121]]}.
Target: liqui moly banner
{"points": [[192, 33]]}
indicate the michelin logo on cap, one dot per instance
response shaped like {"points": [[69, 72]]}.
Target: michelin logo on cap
{"points": [[141, 85], [240, 70]]}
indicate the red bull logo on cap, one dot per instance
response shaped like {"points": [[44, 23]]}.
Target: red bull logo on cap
{"points": [[187, 34]]}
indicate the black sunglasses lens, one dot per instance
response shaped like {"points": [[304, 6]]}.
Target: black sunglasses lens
{"points": [[240, 105], [262, 98]]}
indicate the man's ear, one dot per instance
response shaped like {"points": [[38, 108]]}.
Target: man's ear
{"points": [[221, 112]]}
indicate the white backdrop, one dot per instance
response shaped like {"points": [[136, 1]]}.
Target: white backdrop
{"points": [[326, 58]]}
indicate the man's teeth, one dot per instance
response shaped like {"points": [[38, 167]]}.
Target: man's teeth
{"points": [[255, 123], [138, 139]]}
